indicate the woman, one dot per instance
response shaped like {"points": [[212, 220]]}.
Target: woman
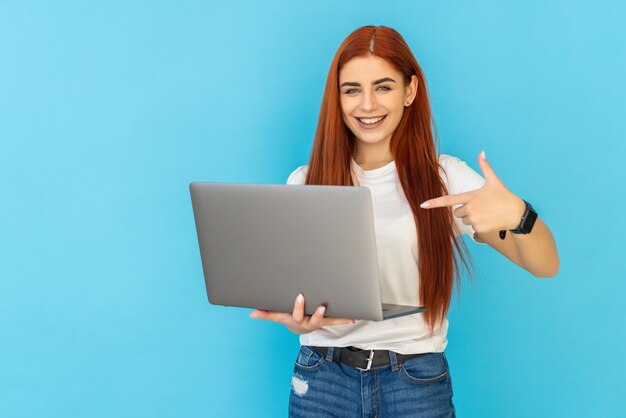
{"points": [[376, 130]]}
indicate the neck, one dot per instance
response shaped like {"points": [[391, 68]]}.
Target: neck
{"points": [[372, 155]]}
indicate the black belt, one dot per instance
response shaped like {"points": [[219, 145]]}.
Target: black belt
{"points": [[363, 359]]}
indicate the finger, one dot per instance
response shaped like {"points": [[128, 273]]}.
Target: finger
{"points": [[316, 319], [257, 313], [298, 308], [337, 321], [270, 316], [461, 211], [449, 200], [487, 170]]}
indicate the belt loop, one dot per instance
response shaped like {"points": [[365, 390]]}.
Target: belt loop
{"points": [[329, 354], [393, 360]]}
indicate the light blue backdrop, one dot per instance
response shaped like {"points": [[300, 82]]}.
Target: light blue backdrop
{"points": [[108, 111]]}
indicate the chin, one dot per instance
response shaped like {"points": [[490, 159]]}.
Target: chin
{"points": [[372, 140]]}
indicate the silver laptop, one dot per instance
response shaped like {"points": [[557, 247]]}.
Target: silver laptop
{"points": [[262, 244]]}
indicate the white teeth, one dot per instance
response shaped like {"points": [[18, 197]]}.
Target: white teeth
{"points": [[369, 121]]}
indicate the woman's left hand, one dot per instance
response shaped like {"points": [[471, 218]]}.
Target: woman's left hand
{"points": [[492, 207]]}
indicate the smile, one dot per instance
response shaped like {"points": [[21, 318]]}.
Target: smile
{"points": [[371, 121]]}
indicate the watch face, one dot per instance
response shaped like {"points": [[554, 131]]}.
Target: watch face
{"points": [[528, 220]]}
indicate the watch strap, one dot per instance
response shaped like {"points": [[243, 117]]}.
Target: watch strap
{"points": [[526, 223]]}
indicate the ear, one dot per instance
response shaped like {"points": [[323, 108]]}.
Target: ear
{"points": [[411, 89]]}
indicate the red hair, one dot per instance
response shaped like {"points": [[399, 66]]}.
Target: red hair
{"points": [[413, 146]]}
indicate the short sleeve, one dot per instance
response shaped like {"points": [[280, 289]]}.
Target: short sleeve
{"points": [[460, 178], [298, 176]]}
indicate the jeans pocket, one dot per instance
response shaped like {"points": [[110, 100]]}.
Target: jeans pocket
{"points": [[426, 369], [308, 359]]}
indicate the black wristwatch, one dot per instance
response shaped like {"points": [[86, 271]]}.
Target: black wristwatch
{"points": [[526, 223]]}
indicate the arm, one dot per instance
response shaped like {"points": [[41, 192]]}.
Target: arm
{"points": [[535, 252], [492, 208]]}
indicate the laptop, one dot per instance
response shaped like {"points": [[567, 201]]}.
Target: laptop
{"points": [[262, 244]]}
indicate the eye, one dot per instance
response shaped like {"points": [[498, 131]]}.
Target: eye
{"points": [[354, 91]]}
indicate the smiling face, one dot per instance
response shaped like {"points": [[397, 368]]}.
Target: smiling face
{"points": [[373, 97]]}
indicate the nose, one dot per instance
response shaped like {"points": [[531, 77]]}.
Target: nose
{"points": [[369, 101]]}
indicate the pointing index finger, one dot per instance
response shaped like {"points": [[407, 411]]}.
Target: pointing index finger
{"points": [[449, 200]]}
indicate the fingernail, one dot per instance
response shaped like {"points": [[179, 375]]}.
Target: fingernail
{"points": [[425, 205], [321, 310], [299, 298], [483, 155]]}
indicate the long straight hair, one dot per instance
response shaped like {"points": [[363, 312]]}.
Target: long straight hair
{"points": [[414, 150]]}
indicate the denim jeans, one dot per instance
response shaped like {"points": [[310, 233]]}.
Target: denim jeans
{"points": [[419, 387]]}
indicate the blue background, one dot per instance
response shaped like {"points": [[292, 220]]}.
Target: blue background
{"points": [[108, 111]]}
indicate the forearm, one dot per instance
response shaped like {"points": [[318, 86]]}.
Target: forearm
{"points": [[537, 250]]}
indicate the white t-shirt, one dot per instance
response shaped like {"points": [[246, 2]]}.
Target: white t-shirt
{"points": [[396, 243]]}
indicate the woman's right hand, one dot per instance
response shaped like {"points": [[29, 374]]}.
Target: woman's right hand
{"points": [[297, 321]]}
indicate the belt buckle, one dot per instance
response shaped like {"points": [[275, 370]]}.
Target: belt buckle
{"points": [[370, 359]]}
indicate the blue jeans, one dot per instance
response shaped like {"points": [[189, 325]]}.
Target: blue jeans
{"points": [[419, 387]]}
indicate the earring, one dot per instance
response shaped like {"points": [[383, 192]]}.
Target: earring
{"points": [[407, 103]]}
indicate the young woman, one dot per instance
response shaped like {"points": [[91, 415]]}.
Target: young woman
{"points": [[375, 129]]}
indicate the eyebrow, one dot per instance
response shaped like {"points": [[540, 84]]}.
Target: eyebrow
{"points": [[382, 80]]}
